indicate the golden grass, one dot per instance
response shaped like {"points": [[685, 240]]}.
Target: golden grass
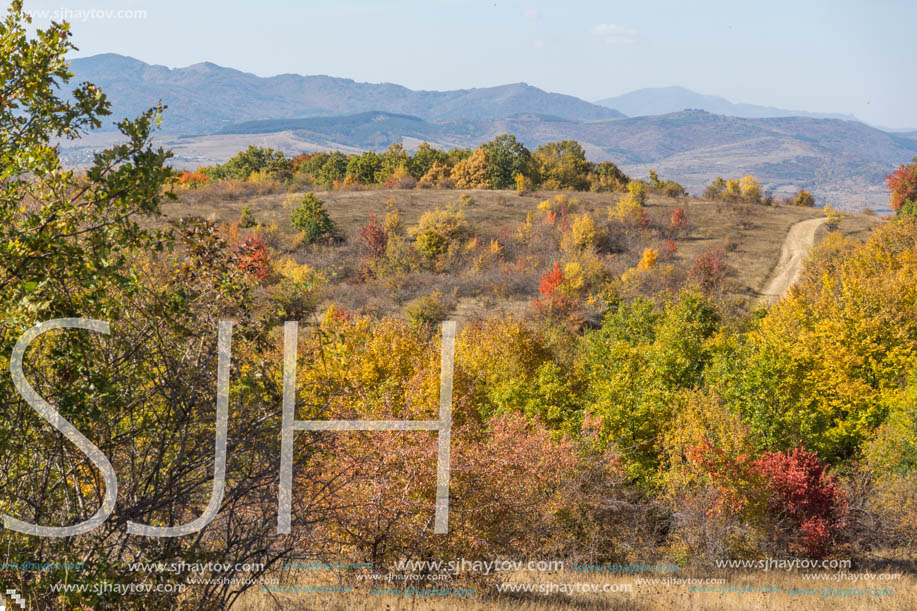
{"points": [[642, 597]]}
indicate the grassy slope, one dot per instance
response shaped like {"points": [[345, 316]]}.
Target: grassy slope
{"points": [[751, 235]]}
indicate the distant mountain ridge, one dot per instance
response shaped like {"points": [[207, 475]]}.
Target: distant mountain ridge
{"points": [[204, 98], [665, 100], [214, 112]]}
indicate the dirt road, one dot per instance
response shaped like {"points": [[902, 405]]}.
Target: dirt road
{"points": [[799, 240]]}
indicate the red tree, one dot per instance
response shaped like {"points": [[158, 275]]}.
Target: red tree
{"points": [[902, 185]]}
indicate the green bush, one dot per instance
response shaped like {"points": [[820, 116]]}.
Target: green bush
{"points": [[312, 219]]}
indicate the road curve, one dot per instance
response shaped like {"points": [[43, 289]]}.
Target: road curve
{"points": [[799, 240]]}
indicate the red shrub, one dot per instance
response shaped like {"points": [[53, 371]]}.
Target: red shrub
{"points": [[193, 179], [253, 258], [374, 237], [552, 299], [709, 270], [804, 498], [678, 218]]}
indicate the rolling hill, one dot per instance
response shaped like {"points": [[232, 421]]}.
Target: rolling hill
{"points": [[843, 162]]}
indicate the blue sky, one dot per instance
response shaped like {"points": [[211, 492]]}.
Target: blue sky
{"points": [[844, 57]]}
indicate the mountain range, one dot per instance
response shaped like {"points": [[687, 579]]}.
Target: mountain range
{"points": [[213, 112], [663, 100], [204, 97]]}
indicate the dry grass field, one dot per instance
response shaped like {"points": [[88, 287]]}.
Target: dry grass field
{"points": [[642, 597], [750, 235]]}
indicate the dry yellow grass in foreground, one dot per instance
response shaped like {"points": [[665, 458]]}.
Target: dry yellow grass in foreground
{"points": [[643, 597]]}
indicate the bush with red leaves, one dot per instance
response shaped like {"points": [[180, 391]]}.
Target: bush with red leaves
{"points": [[679, 218], [253, 258], [552, 300], [374, 237], [807, 503], [709, 270]]}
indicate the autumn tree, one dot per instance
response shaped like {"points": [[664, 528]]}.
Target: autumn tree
{"points": [[472, 172], [562, 165], [804, 199], [902, 186]]}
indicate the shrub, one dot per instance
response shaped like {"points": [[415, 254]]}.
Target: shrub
{"points": [[630, 207], [374, 237], [523, 184], [807, 503], [312, 219], [648, 259], [247, 219], [552, 300], [709, 270], [804, 199], [400, 179], [745, 190], [581, 235], [192, 180], [669, 188], [608, 177], [679, 219], [473, 172], [252, 160], [437, 177], [437, 230], [750, 189], [426, 310], [833, 217], [253, 258]]}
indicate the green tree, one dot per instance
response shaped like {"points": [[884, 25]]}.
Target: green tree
{"points": [[507, 157], [424, 158], [365, 168], [252, 160], [312, 219], [391, 160]]}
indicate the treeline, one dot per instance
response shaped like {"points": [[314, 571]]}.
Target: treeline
{"points": [[748, 190], [503, 163]]}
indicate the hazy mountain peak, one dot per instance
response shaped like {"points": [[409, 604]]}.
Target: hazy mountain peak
{"points": [[663, 100]]}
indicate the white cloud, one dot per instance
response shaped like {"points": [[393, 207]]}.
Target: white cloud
{"points": [[615, 35], [530, 13], [539, 44]]}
